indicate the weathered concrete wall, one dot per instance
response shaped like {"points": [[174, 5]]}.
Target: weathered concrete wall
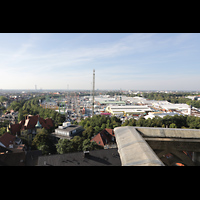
{"points": [[133, 149], [169, 132]]}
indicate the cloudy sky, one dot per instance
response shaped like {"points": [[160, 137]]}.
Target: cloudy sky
{"points": [[136, 61]]}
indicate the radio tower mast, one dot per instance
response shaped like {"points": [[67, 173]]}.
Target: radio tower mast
{"points": [[93, 92]]}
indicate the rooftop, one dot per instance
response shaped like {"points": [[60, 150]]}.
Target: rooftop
{"points": [[6, 139], [103, 157], [104, 137], [133, 149]]}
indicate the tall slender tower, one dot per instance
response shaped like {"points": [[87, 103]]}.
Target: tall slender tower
{"points": [[93, 92]]}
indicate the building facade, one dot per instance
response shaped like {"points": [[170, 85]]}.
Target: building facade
{"points": [[67, 131], [128, 110]]}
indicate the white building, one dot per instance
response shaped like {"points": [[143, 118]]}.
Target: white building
{"points": [[67, 131], [177, 106], [126, 110], [160, 114]]}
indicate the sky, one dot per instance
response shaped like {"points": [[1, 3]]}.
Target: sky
{"points": [[127, 61]]}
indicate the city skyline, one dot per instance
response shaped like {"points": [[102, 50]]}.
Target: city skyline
{"points": [[132, 61]]}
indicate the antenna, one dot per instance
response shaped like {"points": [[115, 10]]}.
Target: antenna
{"points": [[93, 92]]}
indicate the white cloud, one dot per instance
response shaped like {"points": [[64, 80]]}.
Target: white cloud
{"points": [[132, 60]]}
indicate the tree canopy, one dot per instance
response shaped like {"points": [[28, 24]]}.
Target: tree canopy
{"points": [[76, 144], [175, 121], [31, 107], [44, 141]]}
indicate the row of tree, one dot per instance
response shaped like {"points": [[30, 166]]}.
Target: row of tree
{"points": [[175, 121], [32, 107], [99, 123], [172, 97], [165, 96]]}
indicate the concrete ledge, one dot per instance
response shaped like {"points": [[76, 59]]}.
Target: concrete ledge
{"points": [[169, 132], [133, 149]]}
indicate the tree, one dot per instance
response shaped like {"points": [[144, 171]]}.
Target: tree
{"points": [[88, 132], [103, 126], [77, 143], [172, 125], [43, 140], [108, 125], [45, 149], [64, 146], [97, 129], [3, 130], [2, 99], [88, 146], [125, 123], [20, 115], [132, 122], [140, 121]]}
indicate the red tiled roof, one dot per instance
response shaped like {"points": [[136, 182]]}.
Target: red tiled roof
{"points": [[104, 137], [7, 139], [98, 139], [15, 128], [49, 122], [110, 131], [30, 122]]}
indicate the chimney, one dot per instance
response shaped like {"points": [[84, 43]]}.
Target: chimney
{"points": [[86, 154]]}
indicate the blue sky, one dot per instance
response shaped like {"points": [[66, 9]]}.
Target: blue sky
{"points": [[135, 61]]}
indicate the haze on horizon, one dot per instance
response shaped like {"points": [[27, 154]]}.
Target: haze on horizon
{"points": [[135, 61]]}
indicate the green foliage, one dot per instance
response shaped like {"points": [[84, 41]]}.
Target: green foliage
{"points": [[167, 121], [88, 132], [43, 141], [64, 146], [172, 125], [87, 145], [4, 124], [31, 107], [98, 123], [16, 105], [76, 144], [3, 130], [92, 126], [2, 99], [173, 98]]}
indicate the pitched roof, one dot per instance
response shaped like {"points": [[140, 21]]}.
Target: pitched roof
{"points": [[15, 128], [12, 159], [110, 131], [98, 139], [102, 157], [49, 122], [7, 139], [104, 137], [32, 121]]}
